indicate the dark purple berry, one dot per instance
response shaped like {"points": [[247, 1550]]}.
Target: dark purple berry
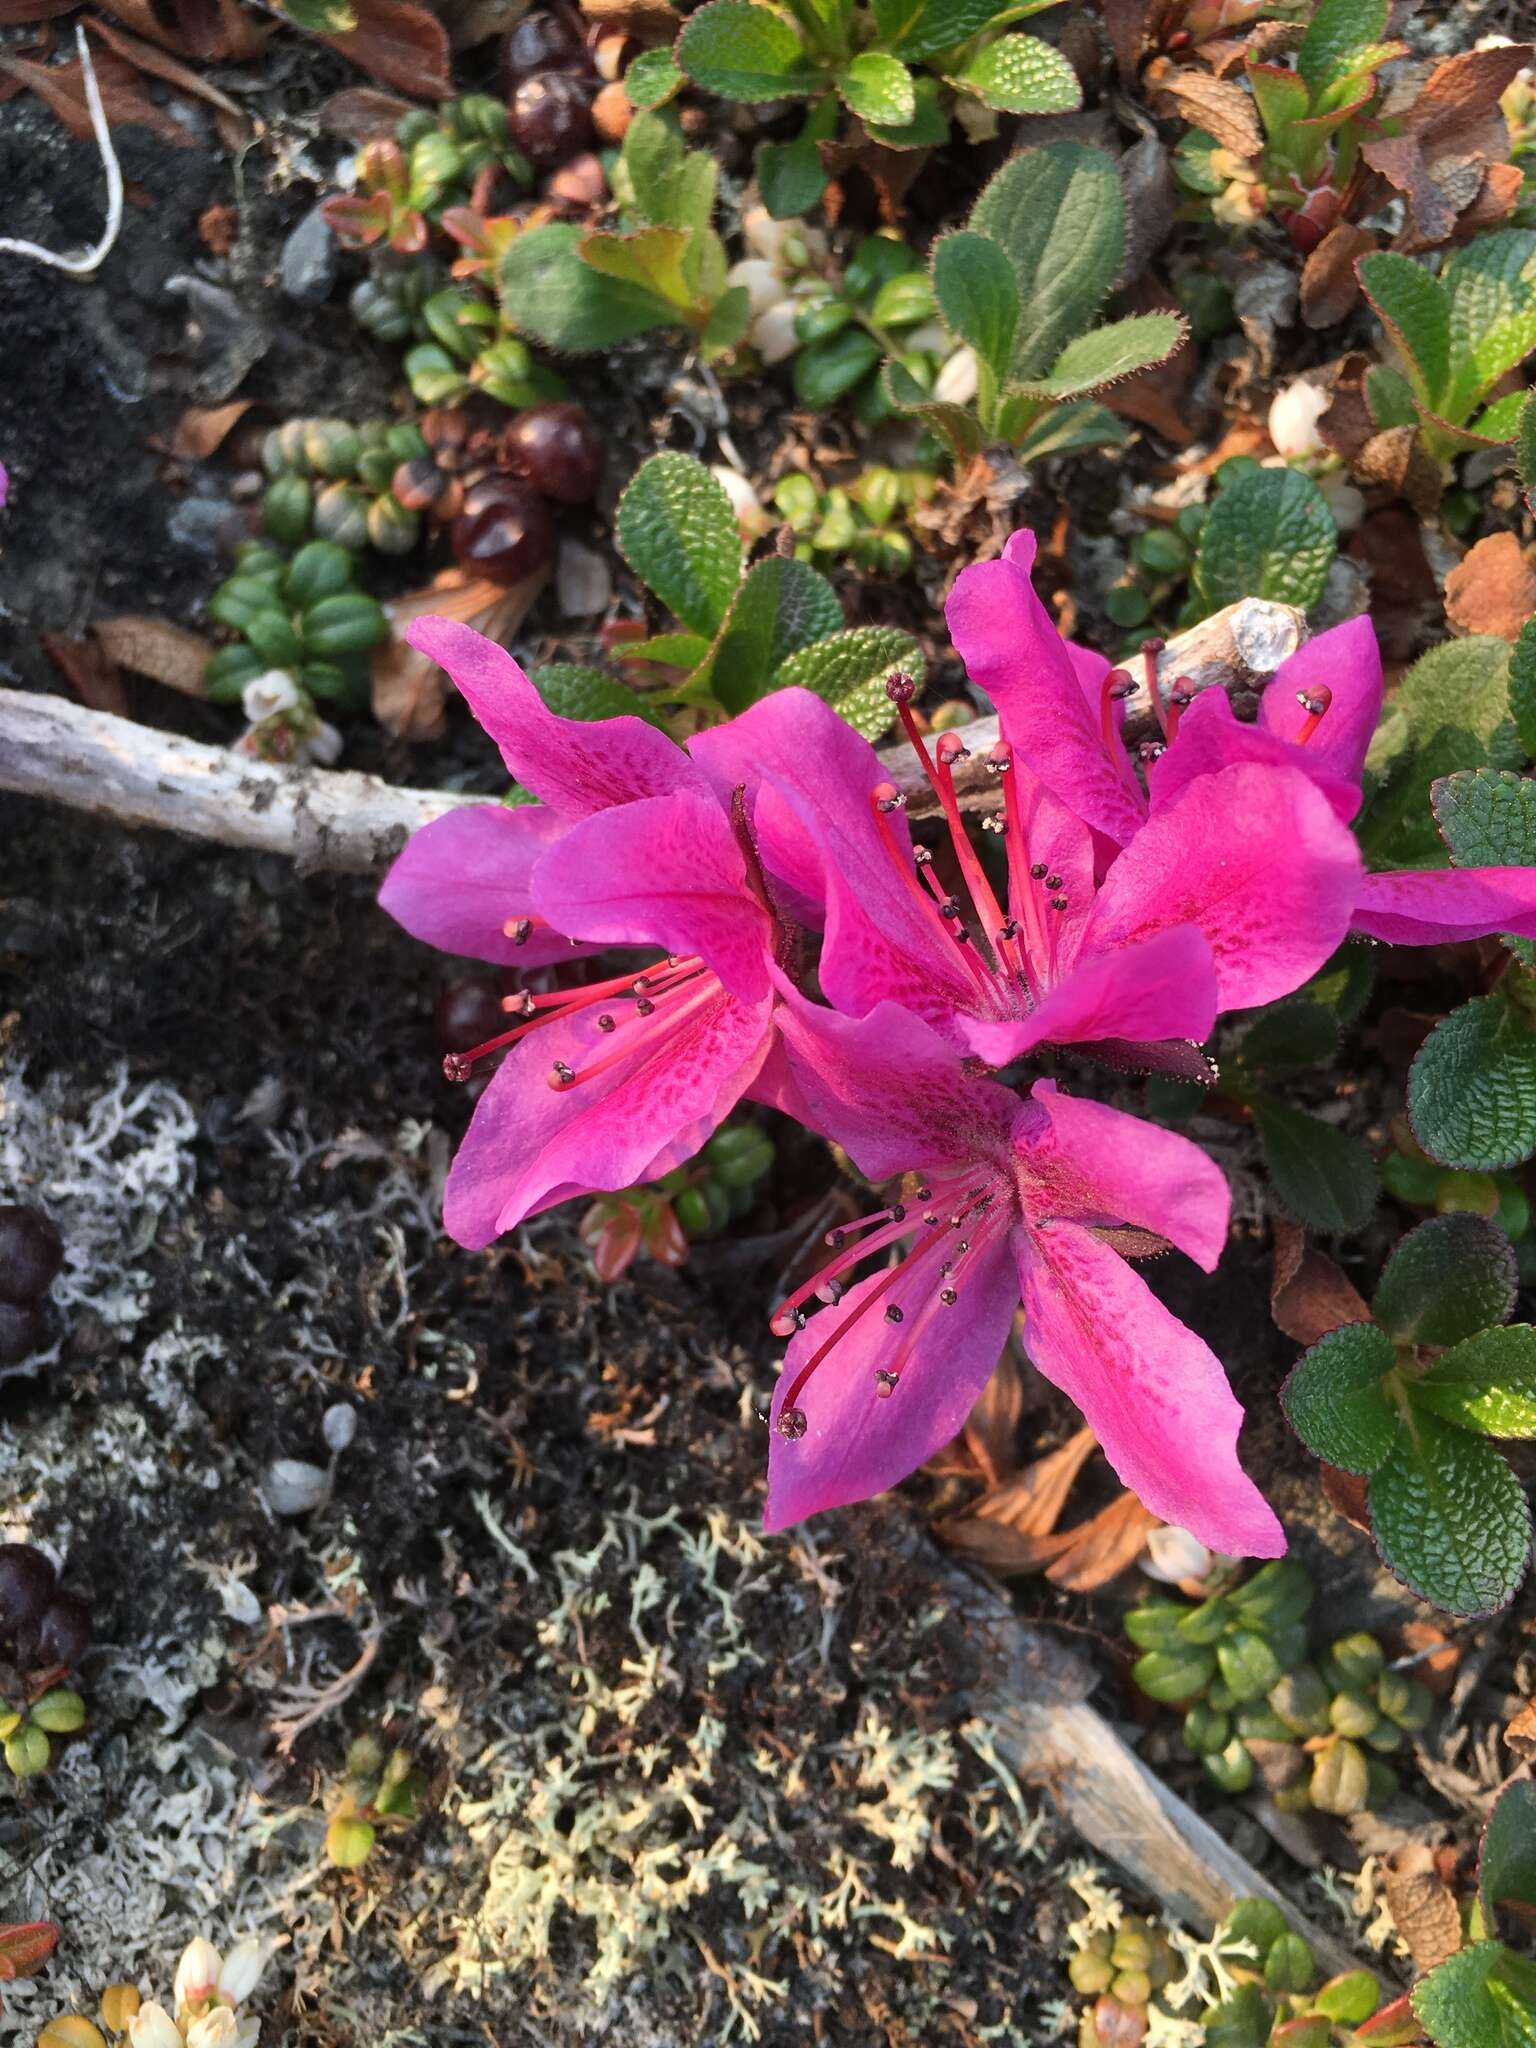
{"points": [[541, 42], [504, 532], [63, 1632], [31, 1253], [558, 448], [550, 117], [21, 1332], [467, 1014], [26, 1586]]}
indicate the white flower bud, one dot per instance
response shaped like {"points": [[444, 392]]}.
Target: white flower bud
{"points": [[197, 1974], [764, 235], [773, 334], [217, 2029], [266, 695], [1345, 502], [247, 1959], [762, 282], [956, 381], [583, 581], [745, 503], [1293, 416], [153, 2027], [1173, 1554], [323, 745]]}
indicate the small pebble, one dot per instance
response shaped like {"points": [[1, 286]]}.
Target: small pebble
{"points": [[293, 1487], [307, 267]]}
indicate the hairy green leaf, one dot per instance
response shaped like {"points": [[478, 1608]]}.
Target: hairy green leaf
{"points": [[878, 87], [1487, 817], [549, 292], [1107, 354], [978, 295], [1324, 1177], [677, 531], [1020, 75], [849, 670], [919, 28], [1337, 33], [1487, 1383], [740, 51], [1334, 1399], [928, 127], [1490, 285], [1447, 1279], [573, 691], [1289, 1037], [1450, 1518], [1506, 1866], [1454, 2002], [1451, 711], [1269, 533], [1066, 428], [1416, 312], [652, 79], [1472, 1088], [782, 606], [1522, 687], [790, 176], [1058, 214]]}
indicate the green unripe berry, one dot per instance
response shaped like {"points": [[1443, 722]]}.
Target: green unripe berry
{"points": [[1132, 1950], [1131, 1987]]}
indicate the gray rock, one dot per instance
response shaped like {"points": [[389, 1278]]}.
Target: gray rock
{"points": [[201, 524], [307, 269]]}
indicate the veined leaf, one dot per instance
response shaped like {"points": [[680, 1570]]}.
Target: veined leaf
{"points": [[849, 669], [1487, 816], [1058, 214], [1416, 311], [1334, 1399], [677, 531], [1447, 1279], [928, 127], [743, 52], [1451, 1519], [1337, 32], [919, 28], [1020, 75], [573, 691], [1065, 428], [1506, 1867], [1487, 1383], [978, 295], [1269, 533], [1106, 354], [782, 606], [547, 291], [878, 88], [1472, 1088], [1323, 1176], [1490, 285]]}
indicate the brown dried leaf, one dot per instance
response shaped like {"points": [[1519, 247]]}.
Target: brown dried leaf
{"points": [[1492, 589], [1218, 106], [1001, 1549], [202, 428], [1031, 1502], [89, 673], [1521, 1732], [1438, 1656], [1400, 160], [401, 44], [61, 89], [1345, 1493], [409, 691], [1125, 22], [1103, 1547], [1464, 92], [1329, 286], [1309, 1295], [360, 113], [20, 13], [1398, 458], [1422, 1906], [1502, 186], [155, 648], [144, 56], [991, 1432], [652, 20], [890, 171]]}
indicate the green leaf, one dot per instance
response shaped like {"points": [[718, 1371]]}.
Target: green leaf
{"points": [[849, 670], [674, 187], [877, 87], [1487, 817], [1487, 1383], [1282, 100], [727, 321], [1447, 1279], [1058, 214], [1269, 533], [1323, 1176], [675, 650], [955, 424], [1109, 353], [1020, 75], [1452, 712], [919, 28], [739, 51], [652, 260], [1501, 421], [1450, 1518], [1389, 398], [1525, 445], [652, 79], [549, 292], [790, 177], [1454, 2003], [572, 691], [1472, 1088], [1336, 35], [1522, 686], [1490, 285], [321, 17], [827, 369], [782, 606], [1066, 428], [928, 127], [1289, 1037], [677, 531], [1506, 1865], [1344, 983], [1416, 312], [1334, 1400], [978, 295]]}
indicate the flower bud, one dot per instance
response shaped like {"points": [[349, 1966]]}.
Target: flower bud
{"points": [[1172, 1553], [1293, 416], [760, 281], [773, 334], [242, 1970], [269, 694], [197, 1974], [152, 2027], [956, 381]]}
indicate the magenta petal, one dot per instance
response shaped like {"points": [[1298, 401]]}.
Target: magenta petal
{"points": [[1435, 906], [1010, 647], [1162, 987], [856, 1444], [890, 1091], [664, 871], [530, 1145], [1257, 859], [1153, 1393], [1211, 737], [1346, 662], [460, 880], [574, 767], [1087, 1162]]}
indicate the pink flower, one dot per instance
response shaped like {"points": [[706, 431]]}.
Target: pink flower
{"points": [[1228, 897], [1008, 1200], [1316, 716], [624, 1079]]}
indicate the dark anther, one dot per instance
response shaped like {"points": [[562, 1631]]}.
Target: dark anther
{"points": [[1053, 881], [605, 1022], [1040, 870], [644, 1007], [900, 688], [898, 1212], [893, 1314], [1058, 903]]}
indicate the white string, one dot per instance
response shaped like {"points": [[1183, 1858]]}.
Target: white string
{"points": [[90, 259]]}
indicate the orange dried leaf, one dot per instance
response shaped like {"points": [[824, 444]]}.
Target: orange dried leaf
{"points": [[991, 1428], [203, 428], [1521, 1732], [1492, 590], [403, 45], [154, 647], [1103, 1547]]}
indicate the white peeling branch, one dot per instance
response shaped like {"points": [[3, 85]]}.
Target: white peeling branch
{"points": [[88, 260], [134, 775], [335, 818]]}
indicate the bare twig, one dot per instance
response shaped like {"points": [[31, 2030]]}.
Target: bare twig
{"points": [[88, 260]]}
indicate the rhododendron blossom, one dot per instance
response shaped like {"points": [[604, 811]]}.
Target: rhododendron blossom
{"points": [[1316, 717], [1006, 1200], [623, 1079]]}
